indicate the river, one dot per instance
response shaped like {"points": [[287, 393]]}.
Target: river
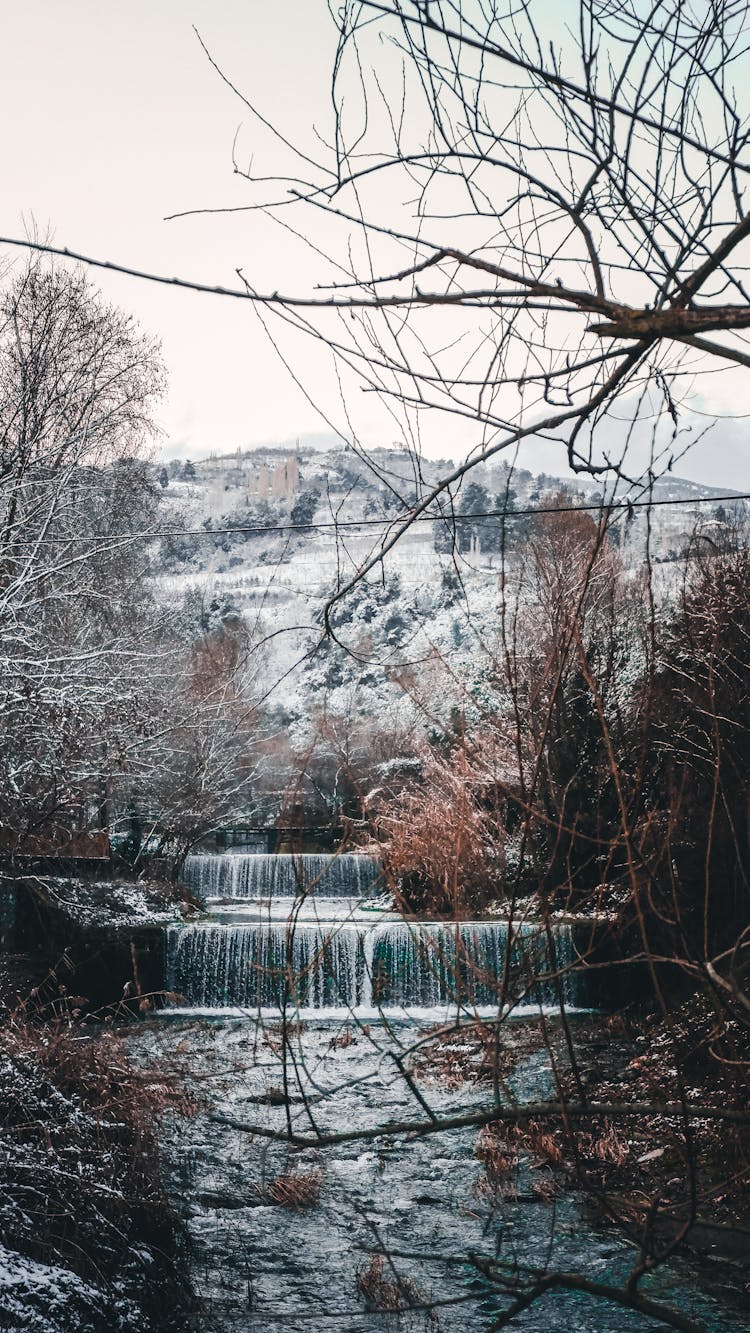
{"points": [[424, 1201]]}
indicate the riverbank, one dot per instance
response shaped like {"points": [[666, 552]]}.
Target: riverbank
{"points": [[666, 1180], [90, 1242]]}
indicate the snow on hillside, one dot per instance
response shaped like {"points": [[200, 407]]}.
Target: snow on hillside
{"points": [[418, 601]]}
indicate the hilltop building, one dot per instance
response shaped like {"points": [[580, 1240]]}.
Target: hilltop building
{"points": [[278, 481]]}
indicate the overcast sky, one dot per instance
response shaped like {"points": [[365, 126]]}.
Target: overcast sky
{"points": [[113, 118]]}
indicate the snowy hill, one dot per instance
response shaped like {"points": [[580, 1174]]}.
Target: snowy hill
{"points": [[271, 534]]}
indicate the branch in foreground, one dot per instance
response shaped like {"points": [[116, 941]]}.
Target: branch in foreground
{"points": [[488, 1116], [630, 1300]]}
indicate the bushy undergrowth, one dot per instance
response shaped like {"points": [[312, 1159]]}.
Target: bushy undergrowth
{"points": [[659, 1177], [443, 853], [383, 1290], [296, 1189], [81, 1187]]}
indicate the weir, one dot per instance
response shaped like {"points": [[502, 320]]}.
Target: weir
{"points": [[262, 875], [287, 931], [388, 964]]}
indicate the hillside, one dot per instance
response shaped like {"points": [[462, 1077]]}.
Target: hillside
{"points": [[426, 597]]}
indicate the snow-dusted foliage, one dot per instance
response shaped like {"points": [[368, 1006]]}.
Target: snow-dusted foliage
{"points": [[116, 711], [78, 383], [45, 1298], [89, 1240]]}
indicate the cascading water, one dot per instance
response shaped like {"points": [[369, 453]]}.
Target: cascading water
{"points": [[259, 875], [479, 963], [316, 954], [290, 933], [265, 965]]}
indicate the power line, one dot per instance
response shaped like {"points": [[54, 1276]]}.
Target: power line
{"points": [[444, 516]]}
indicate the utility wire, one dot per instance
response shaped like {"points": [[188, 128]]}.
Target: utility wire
{"points": [[444, 516]]}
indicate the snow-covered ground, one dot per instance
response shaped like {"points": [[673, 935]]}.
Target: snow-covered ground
{"points": [[44, 1298]]}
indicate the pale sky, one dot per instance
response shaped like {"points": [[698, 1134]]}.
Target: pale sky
{"points": [[113, 118]]}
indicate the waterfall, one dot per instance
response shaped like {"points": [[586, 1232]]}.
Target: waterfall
{"points": [[431, 964], [259, 875], [266, 950], [389, 964], [260, 965]]}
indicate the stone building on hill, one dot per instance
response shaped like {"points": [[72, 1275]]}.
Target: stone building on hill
{"points": [[278, 481]]}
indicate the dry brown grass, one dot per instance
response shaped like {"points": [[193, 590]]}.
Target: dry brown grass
{"points": [[500, 1162], [382, 1293], [276, 1035], [443, 851], [82, 1181], [341, 1040], [609, 1145], [296, 1189], [469, 1054], [498, 1158], [579, 1157]]}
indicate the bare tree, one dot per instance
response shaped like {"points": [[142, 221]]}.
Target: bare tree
{"points": [[517, 225], [548, 240], [531, 230], [77, 387]]}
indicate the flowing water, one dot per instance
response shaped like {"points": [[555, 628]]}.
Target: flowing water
{"points": [[313, 1009], [256, 963], [263, 875], [286, 930]]}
